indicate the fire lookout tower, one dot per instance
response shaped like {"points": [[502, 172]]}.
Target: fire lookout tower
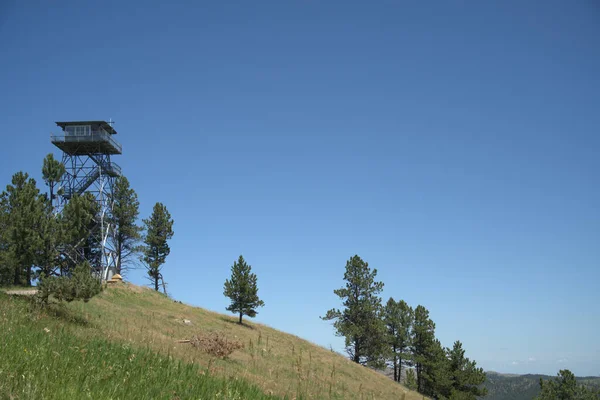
{"points": [[87, 148]]}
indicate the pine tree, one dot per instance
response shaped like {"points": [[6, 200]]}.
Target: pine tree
{"points": [[22, 214], [360, 321], [423, 340], [50, 238], [124, 215], [159, 229], [466, 377], [50, 232], [6, 274], [437, 379], [242, 289], [52, 172], [398, 318]]}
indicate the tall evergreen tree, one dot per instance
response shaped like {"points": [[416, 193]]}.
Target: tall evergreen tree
{"points": [[466, 377], [423, 340], [159, 229], [360, 320], [437, 380], [398, 318], [124, 215], [242, 289], [22, 215], [52, 172]]}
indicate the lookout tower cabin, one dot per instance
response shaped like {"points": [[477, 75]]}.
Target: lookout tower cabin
{"points": [[87, 137], [87, 147]]}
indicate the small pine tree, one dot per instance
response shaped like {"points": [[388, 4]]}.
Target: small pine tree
{"points": [[242, 289], [81, 285], [410, 380]]}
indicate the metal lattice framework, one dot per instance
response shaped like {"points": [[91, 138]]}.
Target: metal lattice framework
{"points": [[87, 147]]}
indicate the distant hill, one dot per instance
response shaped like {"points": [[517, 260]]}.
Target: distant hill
{"points": [[522, 387]]}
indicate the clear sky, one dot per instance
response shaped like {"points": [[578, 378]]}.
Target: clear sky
{"points": [[452, 145]]}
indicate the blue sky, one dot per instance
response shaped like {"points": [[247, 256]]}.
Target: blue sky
{"points": [[452, 145]]}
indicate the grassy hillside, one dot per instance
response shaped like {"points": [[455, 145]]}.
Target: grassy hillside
{"points": [[522, 387], [124, 344]]}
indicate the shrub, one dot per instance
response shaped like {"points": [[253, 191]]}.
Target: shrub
{"points": [[81, 285], [410, 381], [215, 344]]}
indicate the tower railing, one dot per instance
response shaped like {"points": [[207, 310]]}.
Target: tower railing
{"points": [[95, 136], [110, 168]]}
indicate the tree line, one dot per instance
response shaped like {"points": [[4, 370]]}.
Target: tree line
{"points": [[38, 244], [403, 338]]}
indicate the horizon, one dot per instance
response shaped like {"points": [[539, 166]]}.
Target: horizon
{"points": [[454, 148], [535, 373]]}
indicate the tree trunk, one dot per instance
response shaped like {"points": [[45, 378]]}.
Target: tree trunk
{"points": [[29, 275], [119, 251], [356, 357], [164, 285], [399, 369], [240, 317], [156, 283], [17, 279], [395, 364]]}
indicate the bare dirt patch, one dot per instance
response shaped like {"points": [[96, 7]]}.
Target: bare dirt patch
{"points": [[23, 292]]}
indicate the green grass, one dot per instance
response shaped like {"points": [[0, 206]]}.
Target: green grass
{"points": [[41, 359]]}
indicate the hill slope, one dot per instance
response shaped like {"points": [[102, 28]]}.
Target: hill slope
{"points": [[522, 387], [141, 323]]}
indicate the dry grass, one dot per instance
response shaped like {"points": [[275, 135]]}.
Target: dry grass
{"points": [[279, 363]]}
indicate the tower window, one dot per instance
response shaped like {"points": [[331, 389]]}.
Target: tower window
{"points": [[78, 130]]}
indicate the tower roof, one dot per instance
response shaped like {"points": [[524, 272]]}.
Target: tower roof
{"points": [[103, 124]]}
